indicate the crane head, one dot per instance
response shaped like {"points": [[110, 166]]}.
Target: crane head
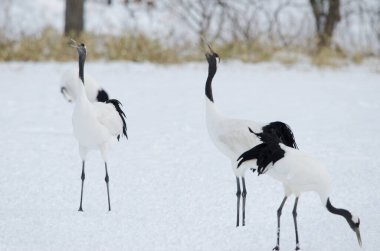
{"points": [[81, 47], [354, 223], [212, 54]]}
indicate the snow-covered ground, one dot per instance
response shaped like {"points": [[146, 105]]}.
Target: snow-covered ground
{"points": [[170, 188]]}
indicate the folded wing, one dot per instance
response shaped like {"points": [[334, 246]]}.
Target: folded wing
{"points": [[112, 117]]}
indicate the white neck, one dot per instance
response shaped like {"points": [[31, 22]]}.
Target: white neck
{"points": [[212, 109], [81, 92], [81, 95]]}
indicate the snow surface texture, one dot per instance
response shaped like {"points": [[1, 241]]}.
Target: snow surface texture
{"points": [[170, 188]]}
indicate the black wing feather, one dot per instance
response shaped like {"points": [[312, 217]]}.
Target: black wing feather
{"points": [[281, 131], [116, 103], [102, 96], [265, 153]]}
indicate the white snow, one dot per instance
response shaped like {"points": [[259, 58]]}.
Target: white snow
{"points": [[170, 188]]}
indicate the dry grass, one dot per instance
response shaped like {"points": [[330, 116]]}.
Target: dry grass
{"points": [[247, 52], [51, 45], [329, 57]]}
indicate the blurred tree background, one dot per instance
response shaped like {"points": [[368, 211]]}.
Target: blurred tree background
{"points": [[171, 31], [74, 17]]}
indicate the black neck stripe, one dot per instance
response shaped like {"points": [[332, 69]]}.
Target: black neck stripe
{"points": [[81, 67], [211, 59]]}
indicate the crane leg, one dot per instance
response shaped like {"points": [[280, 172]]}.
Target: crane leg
{"points": [[279, 211], [108, 190], [238, 195], [295, 223], [81, 192], [244, 195]]}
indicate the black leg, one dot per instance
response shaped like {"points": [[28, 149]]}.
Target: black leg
{"points": [[238, 194], [108, 190], [244, 195], [81, 192], [279, 211], [295, 223]]}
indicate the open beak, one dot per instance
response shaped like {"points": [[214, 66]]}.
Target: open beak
{"points": [[357, 231], [74, 43], [211, 50]]}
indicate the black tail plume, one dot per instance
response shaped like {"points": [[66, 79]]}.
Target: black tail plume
{"points": [[265, 153], [282, 131], [102, 96], [117, 105]]}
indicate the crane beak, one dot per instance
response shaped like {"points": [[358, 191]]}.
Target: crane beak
{"points": [[74, 43], [213, 52], [209, 47], [357, 231]]}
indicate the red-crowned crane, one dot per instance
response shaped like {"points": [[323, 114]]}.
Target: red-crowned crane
{"points": [[95, 124], [298, 173], [231, 137]]}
